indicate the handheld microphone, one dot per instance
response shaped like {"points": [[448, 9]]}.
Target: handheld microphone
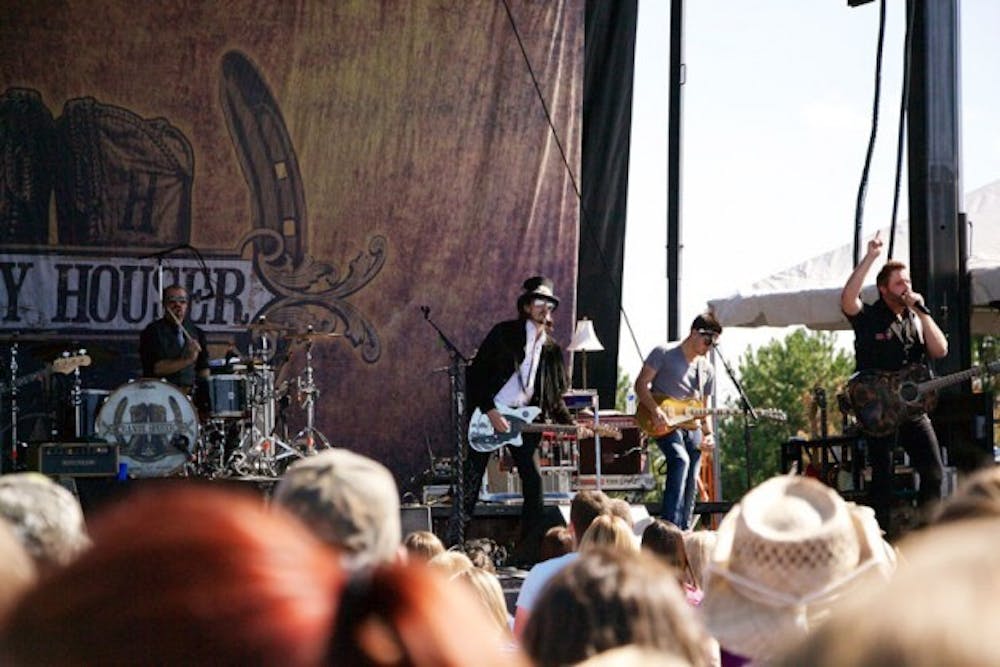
{"points": [[919, 305]]}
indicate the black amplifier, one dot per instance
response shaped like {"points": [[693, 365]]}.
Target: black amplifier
{"points": [[78, 459]]}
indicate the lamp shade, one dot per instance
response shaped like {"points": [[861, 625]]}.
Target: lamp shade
{"points": [[584, 339]]}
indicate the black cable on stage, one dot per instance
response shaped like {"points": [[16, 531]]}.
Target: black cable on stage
{"points": [[863, 185], [585, 223], [903, 100]]}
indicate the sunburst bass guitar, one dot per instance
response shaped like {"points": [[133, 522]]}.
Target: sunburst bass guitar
{"points": [[483, 437], [685, 413], [64, 365]]}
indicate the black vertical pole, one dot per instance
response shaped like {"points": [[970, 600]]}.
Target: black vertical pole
{"points": [[937, 251], [674, 168]]}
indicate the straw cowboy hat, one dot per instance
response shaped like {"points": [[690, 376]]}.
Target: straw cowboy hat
{"points": [[785, 555]]}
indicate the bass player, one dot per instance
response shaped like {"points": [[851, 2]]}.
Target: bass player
{"points": [[519, 364], [680, 370], [893, 332]]}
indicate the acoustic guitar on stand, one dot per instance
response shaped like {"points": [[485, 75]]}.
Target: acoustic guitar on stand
{"points": [[483, 438], [686, 413]]}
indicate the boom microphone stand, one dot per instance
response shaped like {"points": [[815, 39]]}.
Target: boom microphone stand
{"points": [[456, 375], [749, 414]]}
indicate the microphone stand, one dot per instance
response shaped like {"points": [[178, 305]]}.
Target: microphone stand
{"points": [[749, 414], [456, 375]]}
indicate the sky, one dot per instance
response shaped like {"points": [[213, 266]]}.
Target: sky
{"points": [[777, 115]]}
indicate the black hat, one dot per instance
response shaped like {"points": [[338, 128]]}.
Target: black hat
{"points": [[537, 287]]}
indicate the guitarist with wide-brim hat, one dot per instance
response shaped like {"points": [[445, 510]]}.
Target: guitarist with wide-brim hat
{"points": [[680, 370], [891, 334], [518, 364]]}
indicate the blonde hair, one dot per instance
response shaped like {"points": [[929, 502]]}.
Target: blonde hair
{"points": [[698, 545], [450, 563], [611, 532], [422, 545], [486, 588]]}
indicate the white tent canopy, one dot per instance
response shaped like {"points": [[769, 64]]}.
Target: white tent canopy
{"points": [[809, 293]]}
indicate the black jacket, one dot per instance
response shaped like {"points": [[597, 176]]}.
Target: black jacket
{"points": [[500, 356]]}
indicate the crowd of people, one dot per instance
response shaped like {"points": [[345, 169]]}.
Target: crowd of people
{"points": [[191, 573]]}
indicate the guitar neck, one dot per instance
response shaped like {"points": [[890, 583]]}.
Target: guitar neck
{"points": [[541, 428], [954, 378]]}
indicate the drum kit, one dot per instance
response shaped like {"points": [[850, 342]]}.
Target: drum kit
{"points": [[160, 432]]}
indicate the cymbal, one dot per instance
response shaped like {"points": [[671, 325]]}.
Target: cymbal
{"points": [[304, 336], [268, 327]]}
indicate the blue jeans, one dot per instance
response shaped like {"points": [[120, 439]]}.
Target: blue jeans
{"points": [[683, 466]]}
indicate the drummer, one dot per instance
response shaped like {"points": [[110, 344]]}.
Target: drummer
{"points": [[173, 348]]}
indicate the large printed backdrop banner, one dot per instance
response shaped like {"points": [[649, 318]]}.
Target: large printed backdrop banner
{"points": [[334, 165]]}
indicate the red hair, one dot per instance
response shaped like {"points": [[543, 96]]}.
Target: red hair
{"points": [[181, 576], [409, 615]]}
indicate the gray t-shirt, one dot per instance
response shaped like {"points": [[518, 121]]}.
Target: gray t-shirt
{"points": [[675, 377]]}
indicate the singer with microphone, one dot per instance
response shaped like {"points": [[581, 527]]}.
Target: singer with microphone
{"points": [[173, 348], [679, 370], [895, 331]]}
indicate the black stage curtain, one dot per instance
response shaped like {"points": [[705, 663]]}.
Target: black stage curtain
{"points": [[607, 116]]}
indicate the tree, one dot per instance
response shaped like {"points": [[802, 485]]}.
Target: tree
{"points": [[782, 374]]}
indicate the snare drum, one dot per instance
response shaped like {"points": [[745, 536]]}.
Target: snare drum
{"points": [[227, 395], [154, 424]]}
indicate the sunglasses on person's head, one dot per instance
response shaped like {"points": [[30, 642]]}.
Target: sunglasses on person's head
{"points": [[543, 303], [709, 336]]}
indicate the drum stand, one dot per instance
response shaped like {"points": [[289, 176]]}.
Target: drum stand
{"points": [[258, 451], [306, 439]]}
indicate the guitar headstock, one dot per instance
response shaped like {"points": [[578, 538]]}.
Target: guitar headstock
{"points": [[66, 365]]}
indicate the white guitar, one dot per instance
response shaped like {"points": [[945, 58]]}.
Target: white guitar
{"points": [[483, 438]]}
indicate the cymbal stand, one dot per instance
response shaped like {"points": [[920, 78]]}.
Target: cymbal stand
{"points": [[306, 439], [13, 409], [76, 399]]}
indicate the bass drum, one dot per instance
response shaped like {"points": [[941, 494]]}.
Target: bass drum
{"points": [[154, 425]]}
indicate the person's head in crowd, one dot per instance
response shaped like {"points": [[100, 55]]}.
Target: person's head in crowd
{"points": [[698, 545], [17, 569], [481, 560], [586, 506], [608, 531], [181, 575], [407, 615], [450, 562], [621, 509], [487, 590], [349, 501], [939, 608], [609, 598], [422, 545], [666, 541], [485, 553], [785, 554], [45, 516], [977, 497], [557, 541], [634, 656]]}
